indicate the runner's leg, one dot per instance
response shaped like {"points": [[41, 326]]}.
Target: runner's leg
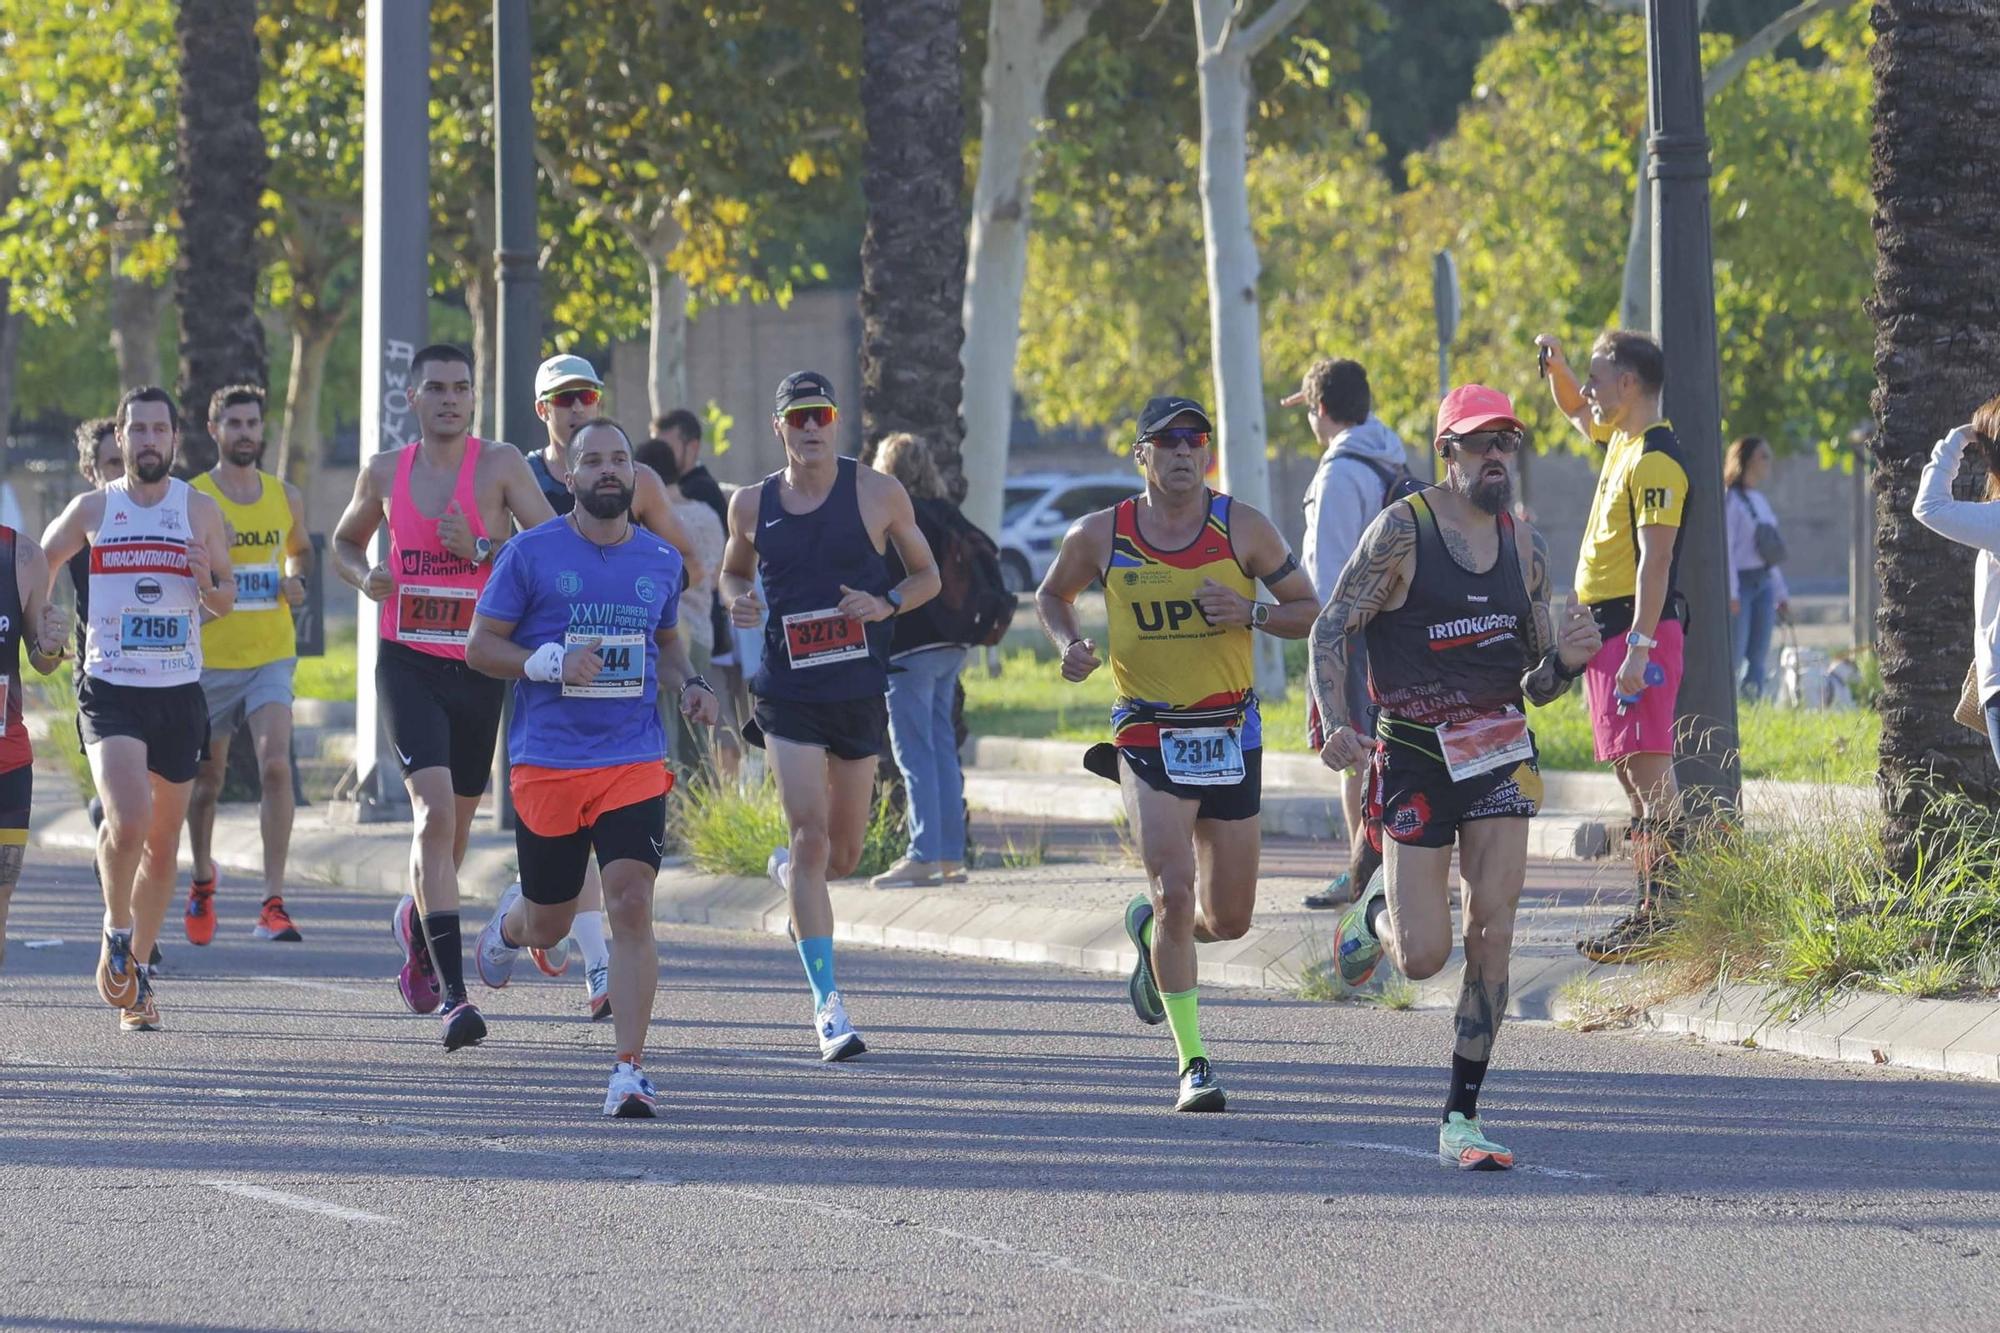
{"points": [[1226, 854], [271, 733], [202, 800], [435, 851], [803, 781], [16, 801], [635, 961], [118, 766], [1164, 825], [1493, 859], [1415, 930], [153, 886]]}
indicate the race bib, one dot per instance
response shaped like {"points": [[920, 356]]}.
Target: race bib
{"points": [[1498, 740], [435, 615], [1202, 756], [144, 632], [623, 675], [257, 587], [821, 638]]}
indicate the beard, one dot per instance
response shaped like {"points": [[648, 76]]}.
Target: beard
{"points": [[150, 469], [245, 453], [1494, 496], [600, 503]]}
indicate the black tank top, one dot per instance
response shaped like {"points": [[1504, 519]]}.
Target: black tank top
{"points": [[558, 493], [1459, 646], [804, 559], [14, 749]]}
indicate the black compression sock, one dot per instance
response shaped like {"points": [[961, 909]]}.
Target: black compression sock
{"points": [[447, 953], [1466, 1076]]}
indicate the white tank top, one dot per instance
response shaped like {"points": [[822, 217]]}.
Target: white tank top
{"points": [[145, 616]]}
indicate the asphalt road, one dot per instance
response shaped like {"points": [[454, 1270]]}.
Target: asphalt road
{"points": [[296, 1151]]}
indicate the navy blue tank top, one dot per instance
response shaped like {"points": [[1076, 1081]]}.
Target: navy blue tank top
{"points": [[558, 493], [804, 559]]}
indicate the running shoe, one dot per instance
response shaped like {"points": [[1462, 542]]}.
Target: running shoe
{"points": [[552, 962], [837, 1038], [143, 1014], [1339, 892], [463, 1025], [117, 978], [496, 957], [200, 916], [1636, 937], [275, 923], [1463, 1144], [779, 868], [1143, 990], [630, 1096], [599, 981], [1201, 1090], [418, 980], [1359, 950], [155, 960]]}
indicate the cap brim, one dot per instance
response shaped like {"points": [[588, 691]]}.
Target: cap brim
{"points": [[811, 400], [572, 382], [1479, 423], [1172, 417]]}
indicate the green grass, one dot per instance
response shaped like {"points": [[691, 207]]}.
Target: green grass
{"points": [[1030, 698], [59, 696], [730, 830], [331, 676]]}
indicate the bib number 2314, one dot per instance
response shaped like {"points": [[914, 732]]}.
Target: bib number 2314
{"points": [[1202, 756], [821, 638]]}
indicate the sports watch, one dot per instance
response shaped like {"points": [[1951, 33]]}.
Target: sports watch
{"points": [[1634, 639], [1260, 614], [482, 550], [894, 597]]}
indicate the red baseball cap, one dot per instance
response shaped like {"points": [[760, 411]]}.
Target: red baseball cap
{"points": [[1472, 407]]}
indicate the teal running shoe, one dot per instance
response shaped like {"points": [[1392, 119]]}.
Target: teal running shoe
{"points": [[1200, 1089], [1145, 992], [1463, 1144], [1359, 950]]}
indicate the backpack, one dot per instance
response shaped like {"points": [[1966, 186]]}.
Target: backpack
{"points": [[1398, 483], [973, 605]]}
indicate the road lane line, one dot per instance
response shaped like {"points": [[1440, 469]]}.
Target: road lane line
{"points": [[296, 1201], [304, 984]]}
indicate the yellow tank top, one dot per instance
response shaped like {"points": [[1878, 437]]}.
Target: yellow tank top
{"points": [[1164, 654], [259, 630]]}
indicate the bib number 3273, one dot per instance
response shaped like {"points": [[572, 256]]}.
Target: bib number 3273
{"points": [[435, 615], [1202, 756], [821, 638], [623, 674]]}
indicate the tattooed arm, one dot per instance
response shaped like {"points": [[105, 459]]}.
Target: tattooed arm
{"points": [[1554, 666], [1373, 576]]}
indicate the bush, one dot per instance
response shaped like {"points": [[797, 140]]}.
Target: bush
{"points": [[731, 830]]}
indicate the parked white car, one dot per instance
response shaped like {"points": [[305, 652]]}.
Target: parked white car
{"points": [[1039, 508]]}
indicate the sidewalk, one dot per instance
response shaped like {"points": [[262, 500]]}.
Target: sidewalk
{"points": [[1061, 903]]}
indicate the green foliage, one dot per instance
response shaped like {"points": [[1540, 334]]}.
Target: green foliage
{"points": [[58, 691], [731, 830], [330, 676]]}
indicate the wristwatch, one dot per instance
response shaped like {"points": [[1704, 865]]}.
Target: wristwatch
{"points": [[894, 597], [1260, 614], [482, 550], [1634, 639]]}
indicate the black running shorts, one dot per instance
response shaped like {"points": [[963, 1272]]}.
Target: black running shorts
{"points": [[1240, 800], [440, 713], [171, 720], [1413, 800], [552, 869], [17, 801], [844, 728]]}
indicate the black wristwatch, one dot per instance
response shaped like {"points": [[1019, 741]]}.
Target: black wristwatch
{"points": [[894, 597]]}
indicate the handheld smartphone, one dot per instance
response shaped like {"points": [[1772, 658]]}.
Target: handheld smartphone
{"points": [[1542, 361]]}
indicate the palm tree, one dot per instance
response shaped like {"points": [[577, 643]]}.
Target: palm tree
{"points": [[220, 183], [1937, 355], [913, 251]]}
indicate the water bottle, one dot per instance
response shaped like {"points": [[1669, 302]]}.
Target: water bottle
{"points": [[1655, 675]]}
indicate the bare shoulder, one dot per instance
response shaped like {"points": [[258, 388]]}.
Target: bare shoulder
{"points": [[293, 495], [1094, 530], [497, 458], [878, 487]]}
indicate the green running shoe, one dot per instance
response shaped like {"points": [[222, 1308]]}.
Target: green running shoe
{"points": [[1358, 949], [1145, 992], [1463, 1144], [1200, 1089]]}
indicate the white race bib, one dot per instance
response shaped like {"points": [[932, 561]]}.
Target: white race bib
{"points": [[1484, 744], [624, 672], [257, 587], [145, 632], [1202, 756]]}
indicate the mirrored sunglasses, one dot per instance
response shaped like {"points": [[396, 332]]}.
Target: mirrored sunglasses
{"points": [[573, 397], [798, 418]]}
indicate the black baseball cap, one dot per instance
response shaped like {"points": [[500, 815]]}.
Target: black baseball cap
{"points": [[1159, 411], [805, 388]]}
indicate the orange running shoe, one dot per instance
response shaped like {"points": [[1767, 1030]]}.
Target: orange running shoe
{"points": [[117, 974], [274, 923], [143, 1014], [200, 918]]}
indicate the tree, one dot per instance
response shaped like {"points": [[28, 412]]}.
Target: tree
{"points": [[1937, 321], [222, 165], [913, 253]]}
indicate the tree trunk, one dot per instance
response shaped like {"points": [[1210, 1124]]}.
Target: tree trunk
{"points": [[299, 446], [666, 347], [1022, 51], [482, 302], [220, 183], [135, 325], [913, 251], [10, 352], [1937, 320]]}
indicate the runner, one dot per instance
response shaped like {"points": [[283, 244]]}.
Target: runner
{"points": [[442, 497], [1453, 596], [248, 658], [98, 459], [159, 563], [816, 532], [1180, 567], [581, 611], [27, 618]]}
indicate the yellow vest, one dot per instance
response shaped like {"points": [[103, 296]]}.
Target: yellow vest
{"points": [[259, 630]]}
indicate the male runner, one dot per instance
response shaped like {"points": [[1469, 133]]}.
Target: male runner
{"points": [[1180, 567], [1453, 596], [27, 618], [159, 563], [581, 612], [816, 532], [568, 396], [449, 500], [1627, 572], [248, 658]]}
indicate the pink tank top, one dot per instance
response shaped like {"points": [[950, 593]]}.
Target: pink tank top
{"points": [[431, 610]]}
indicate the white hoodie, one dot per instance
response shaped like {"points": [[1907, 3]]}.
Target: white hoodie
{"points": [[1344, 497]]}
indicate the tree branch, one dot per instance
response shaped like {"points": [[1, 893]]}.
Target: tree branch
{"points": [[1059, 36], [1261, 33], [1763, 42]]}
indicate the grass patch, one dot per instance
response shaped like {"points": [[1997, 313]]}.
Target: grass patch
{"points": [[1397, 992], [1026, 854], [330, 676], [731, 830], [58, 691]]}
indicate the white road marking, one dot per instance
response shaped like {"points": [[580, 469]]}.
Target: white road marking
{"points": [[304, 984], [41, 944], [1404, 1150], [296, 1201]]}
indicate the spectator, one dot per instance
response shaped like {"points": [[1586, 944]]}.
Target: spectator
{"points": [[1974, 523], [680, 431], [1758, 597], [924, 665], [705, 531]]}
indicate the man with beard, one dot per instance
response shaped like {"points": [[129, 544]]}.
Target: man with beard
{"points": [[159, 565], [249, 657], [581, 611], [450, 501], [1180, 567], [1453, 596]]}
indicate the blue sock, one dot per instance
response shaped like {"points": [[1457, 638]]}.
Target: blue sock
{"points": [[817, 955]]}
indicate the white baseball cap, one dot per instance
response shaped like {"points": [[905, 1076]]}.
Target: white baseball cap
{"points": [[560, 370]]}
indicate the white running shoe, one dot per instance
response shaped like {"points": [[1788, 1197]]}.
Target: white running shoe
{"points": [[837, 1038], [495, 958], [631, 1095], [598, 981], [779, 868]]}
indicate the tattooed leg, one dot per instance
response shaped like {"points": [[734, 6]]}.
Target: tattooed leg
{"points": [[1493, 855]]}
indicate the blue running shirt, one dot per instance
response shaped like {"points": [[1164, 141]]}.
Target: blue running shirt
{"points": [[556, 585]]}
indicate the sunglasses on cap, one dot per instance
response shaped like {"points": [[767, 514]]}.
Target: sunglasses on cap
{"points": [[798, 418], [1179, 437], [1487, 441], [573, 397]]}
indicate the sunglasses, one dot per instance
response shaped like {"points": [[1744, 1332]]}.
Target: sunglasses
{"points": [[1180, 437], [573, 397], [1488, 441], [798, 418]]}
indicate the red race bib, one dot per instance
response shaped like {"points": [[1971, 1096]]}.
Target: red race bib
{"points": [[435, 615], [820, 638]]}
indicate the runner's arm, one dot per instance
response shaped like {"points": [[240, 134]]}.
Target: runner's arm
{"points": [[1264, 555], [298, 542], [31, 580], [1377, 569], [921, 581], [356, 529], [211, 529], [739, 558], [1085, 552], [653, 508], [491, 651], [678, 674], [65, 536], [1554, 663]]}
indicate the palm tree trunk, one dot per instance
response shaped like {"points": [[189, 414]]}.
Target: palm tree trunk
{"points": [[1937, 344], [913, 250], [222, 167]]}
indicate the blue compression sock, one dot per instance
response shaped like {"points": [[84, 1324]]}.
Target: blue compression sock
{"points": [[817, 954]]}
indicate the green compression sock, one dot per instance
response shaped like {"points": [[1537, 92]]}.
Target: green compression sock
{"points": [[1185, 1022]]}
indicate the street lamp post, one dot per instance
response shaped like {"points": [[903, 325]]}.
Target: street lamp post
{"points": [[1706, 758]]}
